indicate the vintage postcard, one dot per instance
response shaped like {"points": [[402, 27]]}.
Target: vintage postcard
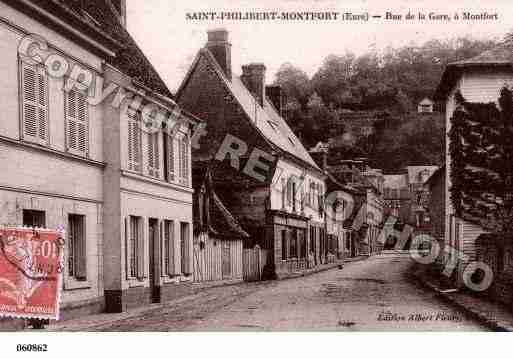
{"points": [[251, 166]]}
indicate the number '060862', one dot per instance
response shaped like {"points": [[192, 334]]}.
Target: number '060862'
{"points": [[32, 348]]}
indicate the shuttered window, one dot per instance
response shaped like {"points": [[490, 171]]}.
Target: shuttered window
{"points": [[77, 257], [153, 154], [134, 141], [34, 85], [77, 122]]}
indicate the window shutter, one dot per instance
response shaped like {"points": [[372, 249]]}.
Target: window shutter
{"points": [[77, 121], [185, 145], [140, 251], [80, 241], [82, 124], [183, 249], [183, 160], [170, 158], [156, 151], [188, 249], [171, 269], [34, 95], [42, 85], [151, 155], [134, 141], [127, 249]]}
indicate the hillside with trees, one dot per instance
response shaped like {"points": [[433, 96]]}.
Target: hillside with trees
{"points": [[388, 85]]}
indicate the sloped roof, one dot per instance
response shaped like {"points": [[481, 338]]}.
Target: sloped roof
{"points": [[264, 118], [426, 101], [437, 174], [499, 56], [219, 221], [100, 17], [223, 222]]}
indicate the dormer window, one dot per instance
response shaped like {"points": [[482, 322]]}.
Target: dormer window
{"points": [[273, 125], [291, 141]]}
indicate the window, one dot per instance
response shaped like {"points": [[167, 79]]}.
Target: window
{"points": [[170, 158], [290, 191], [294, 196], [153, 154], [135, 248], [293, 244], [184, 161], [302, 243], [312, 239], [283, 192], [320, 199], [34, 219], [169, 228], [34, 85], [284, 245], [185, 248], [77, 122], [134, 140], [77, 257]]}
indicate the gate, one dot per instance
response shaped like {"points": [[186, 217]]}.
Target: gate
{"points": [[253, 263]]}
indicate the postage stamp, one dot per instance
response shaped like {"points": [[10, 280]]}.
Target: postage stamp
{"points": [[30, 272]]}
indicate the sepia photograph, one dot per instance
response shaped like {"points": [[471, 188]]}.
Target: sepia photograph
{"points": [[242, 167]]}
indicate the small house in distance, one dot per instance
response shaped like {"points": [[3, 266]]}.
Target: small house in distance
{"points": [[426, 106]]}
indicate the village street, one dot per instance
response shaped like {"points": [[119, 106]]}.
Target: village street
{"points": [[347, 300]]}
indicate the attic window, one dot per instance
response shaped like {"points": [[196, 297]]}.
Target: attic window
{"points": [[292, 142]]}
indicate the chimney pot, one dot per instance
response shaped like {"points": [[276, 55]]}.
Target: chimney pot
{"points": [[221, 49], [253, 77]]}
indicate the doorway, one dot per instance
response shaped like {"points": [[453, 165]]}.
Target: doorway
{"points": [[154, 260]]}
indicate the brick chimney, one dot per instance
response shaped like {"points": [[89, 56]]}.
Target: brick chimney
{"points": [[253, 76], [275, 94], [221, 48]]}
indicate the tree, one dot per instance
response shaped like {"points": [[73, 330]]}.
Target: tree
{"points": [[333, 76], [294, 82], [481, 148]]}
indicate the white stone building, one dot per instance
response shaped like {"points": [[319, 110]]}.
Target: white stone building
{"points": [[124, 196]]}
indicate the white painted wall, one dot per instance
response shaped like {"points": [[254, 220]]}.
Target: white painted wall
{"points": [[44, 180], [285, 169]]}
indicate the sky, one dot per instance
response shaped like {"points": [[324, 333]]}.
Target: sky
{"points": [[171, 41]]}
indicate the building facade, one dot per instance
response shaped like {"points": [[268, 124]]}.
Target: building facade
{"points": [[479, 80], [78, 158], [281, 206]]}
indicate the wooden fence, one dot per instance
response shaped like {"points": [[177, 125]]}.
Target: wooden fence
{"points": [[253, 262]]}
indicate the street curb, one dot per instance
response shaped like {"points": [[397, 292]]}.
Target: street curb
{"points": [[490, 323]]}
